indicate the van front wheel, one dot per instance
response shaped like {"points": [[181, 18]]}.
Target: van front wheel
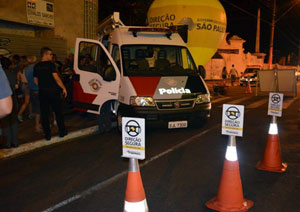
{"points": [[119, 121], [105, 119]]}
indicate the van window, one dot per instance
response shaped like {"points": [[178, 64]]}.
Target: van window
{"points": [[251, 70], [116, 55], [186, 59], [92, 58], [157, 60]]}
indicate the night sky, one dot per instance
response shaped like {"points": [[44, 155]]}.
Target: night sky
{"points": [[241, 20]]}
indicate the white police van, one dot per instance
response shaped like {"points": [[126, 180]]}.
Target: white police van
{"points": [[139, 72]]}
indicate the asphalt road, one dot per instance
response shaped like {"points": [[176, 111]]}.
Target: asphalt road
{"points": [[181, 172]]}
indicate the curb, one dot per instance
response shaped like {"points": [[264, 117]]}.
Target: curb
{"points": [[28, 147]]}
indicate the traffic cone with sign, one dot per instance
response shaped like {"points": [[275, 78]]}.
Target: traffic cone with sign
{"points": [[230, 194], [248, 87], [272, 155], [135, 198]]}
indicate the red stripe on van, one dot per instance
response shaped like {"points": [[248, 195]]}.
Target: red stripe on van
{"points": [[80, 96], [145, 86]]}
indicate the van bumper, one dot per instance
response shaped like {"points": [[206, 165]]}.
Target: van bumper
{"points": [[155, 117]]}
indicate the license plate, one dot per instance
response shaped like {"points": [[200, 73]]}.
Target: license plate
{"points": [[177, 124]]}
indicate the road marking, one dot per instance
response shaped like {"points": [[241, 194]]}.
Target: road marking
{"points": [[6, 153], [109, 181], [257, 104], [234, 102], [288, 102], [220, 99]]}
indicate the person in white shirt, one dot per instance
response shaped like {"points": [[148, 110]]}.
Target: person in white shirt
{"points": [[233, 74]]}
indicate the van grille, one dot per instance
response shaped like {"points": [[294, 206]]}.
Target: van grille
{"points": [[175, 104]]}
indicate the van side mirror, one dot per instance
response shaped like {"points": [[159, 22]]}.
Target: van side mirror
{"points": [[202, 71], [109, 74]]}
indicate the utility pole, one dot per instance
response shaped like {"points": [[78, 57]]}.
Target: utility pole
{"points": [[257, 32], [272, 35]]}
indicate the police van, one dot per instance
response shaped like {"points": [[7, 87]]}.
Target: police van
{"points": [[139, 72]]}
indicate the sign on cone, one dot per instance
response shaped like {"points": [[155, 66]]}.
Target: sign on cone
{"points": [[230, 194], [272, 155]]}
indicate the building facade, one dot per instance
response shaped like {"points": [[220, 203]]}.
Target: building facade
{"points": [[231, 52], [30, 24]]}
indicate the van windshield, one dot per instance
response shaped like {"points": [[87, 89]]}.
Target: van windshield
{"points": [[157, 60], [251, 70]]}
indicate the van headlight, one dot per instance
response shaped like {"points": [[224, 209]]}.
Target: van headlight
{"points": [[202, 98], [142, 101]]}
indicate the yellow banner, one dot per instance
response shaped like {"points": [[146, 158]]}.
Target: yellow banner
{"points": [[275, 109], [133, 147], [232, 128]]}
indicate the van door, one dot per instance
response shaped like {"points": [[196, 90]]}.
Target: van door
{"points": [[96, 78]]}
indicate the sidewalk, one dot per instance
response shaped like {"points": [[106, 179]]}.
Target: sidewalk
{"points": [[77, 124]]}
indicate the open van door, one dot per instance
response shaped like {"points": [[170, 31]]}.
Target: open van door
{"points": [[97, 77]]}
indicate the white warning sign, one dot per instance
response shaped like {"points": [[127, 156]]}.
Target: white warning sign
{"points": [[133, 138], [233, 120], [275, 104], [40, 12]]}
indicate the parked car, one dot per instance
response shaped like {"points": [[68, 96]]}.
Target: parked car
{"points": [[250, 74], [298, 75]]}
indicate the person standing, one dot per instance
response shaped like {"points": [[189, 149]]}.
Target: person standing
{"points": [[9, 124], [233, 75], [5, 95], [34, 92], [224, 74], [50, 87], [24, 87], [57, 63]]}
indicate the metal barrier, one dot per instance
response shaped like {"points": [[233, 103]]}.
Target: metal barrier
{"points": [[278, 80]]}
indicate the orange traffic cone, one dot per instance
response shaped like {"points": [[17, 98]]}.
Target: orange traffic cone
{"points": [[230, 194], [272, 155], [135, 198], [248, 87]]}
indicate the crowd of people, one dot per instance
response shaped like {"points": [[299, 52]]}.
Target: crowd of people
{"points": [[36, 88]]}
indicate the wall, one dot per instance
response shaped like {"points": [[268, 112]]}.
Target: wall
{"points": [[7, 27], [13, 10], [68, 21], [23, 45], [231, 52]]}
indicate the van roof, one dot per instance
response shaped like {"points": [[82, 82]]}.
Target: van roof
{"points": [[127, 35]]}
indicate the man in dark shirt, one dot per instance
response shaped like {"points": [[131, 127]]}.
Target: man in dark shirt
{"points": [[50, 87]]}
